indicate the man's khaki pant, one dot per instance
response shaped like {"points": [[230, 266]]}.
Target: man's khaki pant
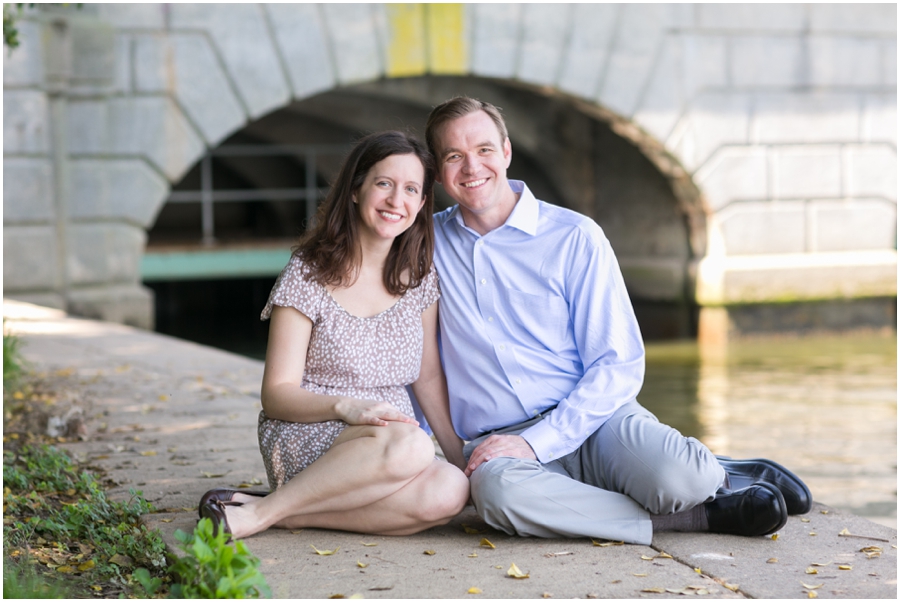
{"points": [[630, 468]]}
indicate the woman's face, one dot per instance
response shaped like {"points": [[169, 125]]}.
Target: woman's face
{"points": [[390, 197]]}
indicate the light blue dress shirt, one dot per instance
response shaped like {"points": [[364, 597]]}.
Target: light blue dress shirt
{"points": [[534, 315]]}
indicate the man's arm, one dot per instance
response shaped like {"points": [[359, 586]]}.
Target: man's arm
{"points": [[609, 344]]}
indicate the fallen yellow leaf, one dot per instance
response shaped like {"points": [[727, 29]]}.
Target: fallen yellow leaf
{"points": [[361, 565], [66, 569], [868, 549], [498, 566], [210, 475], [516, 573], [698, 570], [18, 395], [607, 544], [166, 520], [163, 397], [732, 586], [121, 560], [148, 453], [812, 595], [824, 511], [368, 545], [654, 590], [804, 520], [324, 552], [472, 531], [86, 566], [771, 561], [546, 595], [336, 596], [485, 543], [819, 563], [844, 531], [807, 586], [473, 590], [640, 574], [664, 555], [643, 557], [429, 552], [845, 567], [473, 555], [774, 536], [811, 570], [96, 588], [813, 533]]}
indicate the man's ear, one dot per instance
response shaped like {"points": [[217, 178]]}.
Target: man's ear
{"points": [[437, 173], [507, 151]]}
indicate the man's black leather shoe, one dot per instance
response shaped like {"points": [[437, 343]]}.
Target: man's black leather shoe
{"points": [[743, 473], [752, 511]]}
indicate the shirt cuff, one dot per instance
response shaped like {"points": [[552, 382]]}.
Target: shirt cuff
{"points": [[547, 442]]}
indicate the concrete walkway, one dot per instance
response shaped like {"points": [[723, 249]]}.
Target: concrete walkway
{"points": [[173, 419]]}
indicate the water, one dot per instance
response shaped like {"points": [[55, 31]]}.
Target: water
{"points": [[824, 407]]}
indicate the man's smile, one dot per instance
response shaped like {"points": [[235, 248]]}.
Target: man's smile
{"points": [[474, 184]]}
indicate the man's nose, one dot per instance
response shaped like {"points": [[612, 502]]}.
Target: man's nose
{"points": [[469, 165]]}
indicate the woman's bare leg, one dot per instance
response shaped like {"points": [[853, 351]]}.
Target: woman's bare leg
{"points": [[434, 497], [366, 464]]}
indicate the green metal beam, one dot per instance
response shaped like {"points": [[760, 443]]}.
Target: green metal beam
{"points": [[212, 264]]}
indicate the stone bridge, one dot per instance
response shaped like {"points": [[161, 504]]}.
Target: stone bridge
{"points": [[741, 158]]}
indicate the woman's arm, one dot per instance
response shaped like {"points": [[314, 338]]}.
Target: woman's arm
{"points": [[283, 397], [431, 391]]}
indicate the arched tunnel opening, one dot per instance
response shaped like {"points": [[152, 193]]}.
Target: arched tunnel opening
{"points": [[258, 180]]}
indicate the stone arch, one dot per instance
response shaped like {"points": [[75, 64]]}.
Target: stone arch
{"points": [[747, 101]]}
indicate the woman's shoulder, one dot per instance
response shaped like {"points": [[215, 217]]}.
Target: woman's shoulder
{"points": [[295, 287], [429, 289]]}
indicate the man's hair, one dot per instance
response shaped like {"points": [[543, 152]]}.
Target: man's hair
{"points": [[331, 247], [454, 109]]}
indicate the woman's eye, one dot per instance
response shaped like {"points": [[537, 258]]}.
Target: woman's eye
{"points": [[383, 184], [412, 190]]}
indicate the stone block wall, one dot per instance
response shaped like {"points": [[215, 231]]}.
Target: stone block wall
{"points": [[784, 117]]}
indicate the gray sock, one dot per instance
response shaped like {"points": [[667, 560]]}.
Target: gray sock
{"points": [[692, 520]]}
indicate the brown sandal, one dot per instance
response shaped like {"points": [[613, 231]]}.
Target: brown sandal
{"points": [[214, 510], [225, 495]]}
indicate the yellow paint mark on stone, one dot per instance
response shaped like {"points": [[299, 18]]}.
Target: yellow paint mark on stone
{"points": [[406, 46], [447, 47]]}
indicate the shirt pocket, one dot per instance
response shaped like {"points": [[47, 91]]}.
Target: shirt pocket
{"points": [[542, 316]]}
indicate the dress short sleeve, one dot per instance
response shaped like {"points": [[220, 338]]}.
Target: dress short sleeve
{"points": [[430, 289], [293, 289]]}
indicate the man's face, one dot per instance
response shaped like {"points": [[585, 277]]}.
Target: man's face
{"points": [[472, 162]]}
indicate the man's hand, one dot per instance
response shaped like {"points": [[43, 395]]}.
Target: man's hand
{"points": [[497, 446]]}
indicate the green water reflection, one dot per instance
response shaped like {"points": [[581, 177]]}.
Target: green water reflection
{"points": [[824, 407]]}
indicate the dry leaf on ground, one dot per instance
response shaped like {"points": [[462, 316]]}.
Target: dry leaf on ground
{"points": [[324, 552], [516, 573], [473, 590]]}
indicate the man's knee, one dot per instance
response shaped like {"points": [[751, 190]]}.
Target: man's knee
{"points": [[497, 491]]}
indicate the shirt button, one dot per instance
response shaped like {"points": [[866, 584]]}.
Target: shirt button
{"points": [[490, 318], [483, 281], [502, 347], [518, 382], [480, 242]]}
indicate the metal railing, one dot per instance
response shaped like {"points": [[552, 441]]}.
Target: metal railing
{"points": [[207, 196]]}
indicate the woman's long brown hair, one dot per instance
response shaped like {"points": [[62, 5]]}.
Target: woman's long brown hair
{"points": [[331, 247]]}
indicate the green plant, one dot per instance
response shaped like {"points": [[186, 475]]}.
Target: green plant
{"points": [[211, 568], [60, 517], [13, 363], [22, 581]]}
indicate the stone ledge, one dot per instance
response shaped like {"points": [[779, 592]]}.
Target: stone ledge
{"points": [[795, 277]]}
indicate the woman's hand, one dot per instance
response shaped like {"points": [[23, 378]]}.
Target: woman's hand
{"points": [[366, 411]]}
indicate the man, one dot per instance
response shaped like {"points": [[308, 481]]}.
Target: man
{"points": [[544, 361]]}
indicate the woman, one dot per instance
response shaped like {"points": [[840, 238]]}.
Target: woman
{"points": [[354, 320]]}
